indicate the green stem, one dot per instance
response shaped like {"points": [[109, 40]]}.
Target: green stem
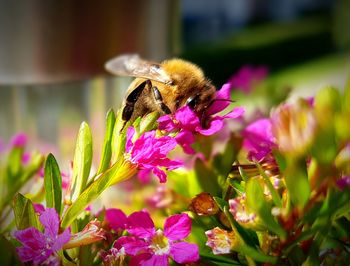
{"points": [[119, 172]]}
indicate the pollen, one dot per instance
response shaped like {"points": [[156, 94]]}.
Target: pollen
{"points": [[160, 244]]}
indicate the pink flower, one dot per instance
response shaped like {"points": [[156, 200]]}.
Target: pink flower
{"points": [[187, 123], [258, 139], [220, 241], [247, 77], [38, 247], [149, 246], [116, 219], [343, 182], [149, 152], [114, 256], [19, 140]]}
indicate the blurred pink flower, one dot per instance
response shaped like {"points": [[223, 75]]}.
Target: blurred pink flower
{"points": [[220, 241], [247, 77], [38, 247], [343, 182], [149, 246], [19, 140], [258, 139], [149, 152], [187, 123], [116, 219]]}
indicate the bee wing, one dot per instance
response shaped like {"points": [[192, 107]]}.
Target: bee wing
{"points": [[133, 65]]}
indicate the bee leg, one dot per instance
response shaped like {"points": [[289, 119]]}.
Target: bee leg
{"points": [[131, 99], [159, 100]]}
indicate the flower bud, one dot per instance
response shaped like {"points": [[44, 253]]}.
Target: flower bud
{"points": [[91, 233]]}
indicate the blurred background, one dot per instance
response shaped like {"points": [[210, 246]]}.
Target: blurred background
{"points": [[52, 54]]}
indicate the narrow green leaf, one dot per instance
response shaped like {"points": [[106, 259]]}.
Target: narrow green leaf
{"points": [[120, 171], [14, 164], [119, 138], [219, 260], [258, 204], [24, 212], [297, 182], [206, 178], [274, 194], [236, 184], [107, 144], [53, 184], [82, 161], [221, 203]]}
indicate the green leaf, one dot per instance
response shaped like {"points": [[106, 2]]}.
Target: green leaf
{"points": [[274, 194], [24, 212], [221, 203], [120, 171], [257, 202], [53, 184], [27, 172], [8, 253], [82, 161], [107, 144], [218, 260], [236, 184], [119, 138], [206, 178], [14, 164], [297, 182]]}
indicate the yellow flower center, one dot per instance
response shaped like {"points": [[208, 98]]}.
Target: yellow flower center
{"points": [[160, 244]]}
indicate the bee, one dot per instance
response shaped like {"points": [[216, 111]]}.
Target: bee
{"points": [[163, 87]]}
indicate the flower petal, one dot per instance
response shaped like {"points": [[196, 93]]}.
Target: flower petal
{"points": [[224, 95], [215, 126], [61, 240], [177, 226], [132, 245], [147, 259], [26, 254], [31, 237], [50, 220], [140, 224], [185, 138], [236, 112], [129, 135], [116, 219], [160, 174], [166, 123], [187, 118], [183, 252]]}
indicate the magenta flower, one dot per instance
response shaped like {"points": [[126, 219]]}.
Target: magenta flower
{"points": [[187, 123], [343, 182], [259, 139], [247, 77], [116, 219], [149, 246], [19, 140], [38, 247], [149, 152]]}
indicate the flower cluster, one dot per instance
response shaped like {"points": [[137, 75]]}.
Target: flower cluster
{"points": [[148, 246], [276, 191]]}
